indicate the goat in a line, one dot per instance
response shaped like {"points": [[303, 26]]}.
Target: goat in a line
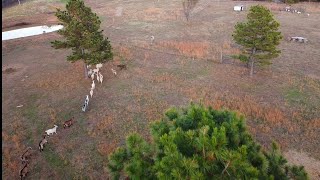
{"points": [[52, 130], [122, 66], [84, 107], [25, 156], [96, 70], [114, 72], [92, 76], [42, 143], [98, 66], [91, 93], [90, 72], [86, 101], [93, 85], [24, 171], [101, 78], [68, 123], [98, 77]]}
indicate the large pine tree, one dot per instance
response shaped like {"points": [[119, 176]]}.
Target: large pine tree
{"points": [[258, 36], [200, 143], [82, 35]]}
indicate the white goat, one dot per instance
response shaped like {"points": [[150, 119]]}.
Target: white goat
{"points": [[92, 76], [91, 93], [101, 78], [86, 101], [90, 72], [114, 72], [93, 85], [98, 66], [96, 70], [152, 39], [84, 107], [98, 77], [52, 130], [86, 104]]}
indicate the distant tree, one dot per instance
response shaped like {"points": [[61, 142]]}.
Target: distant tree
{"points": [[188, 5], [82, 35], [258, 36], [200, 143]]}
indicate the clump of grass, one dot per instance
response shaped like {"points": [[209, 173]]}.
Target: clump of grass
{"points": [[295, 96], [304, 95]]}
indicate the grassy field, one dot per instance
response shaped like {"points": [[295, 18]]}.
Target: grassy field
{"points": [[281, 102]]}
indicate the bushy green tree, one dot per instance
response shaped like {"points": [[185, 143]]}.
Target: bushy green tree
{"points": [[258, 36], [82, 35], [199, 143]]}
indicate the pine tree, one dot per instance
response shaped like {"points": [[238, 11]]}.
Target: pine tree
{"points": [[82, 35], [199, 143], [258, 36]]}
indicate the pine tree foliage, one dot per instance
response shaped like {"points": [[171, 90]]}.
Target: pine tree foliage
{"points": [[82, 34], [258, 36], [200, 143]]}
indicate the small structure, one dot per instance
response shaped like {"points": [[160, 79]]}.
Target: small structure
{"points": [[298, 39], [238, 8]]}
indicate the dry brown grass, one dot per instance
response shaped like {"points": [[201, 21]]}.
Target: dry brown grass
{"points": [[313, 129], [63, 80], [12, 151], [275, 6], [157, 14], [121, 53], [106, 148], [271, 116], [190, 49]]}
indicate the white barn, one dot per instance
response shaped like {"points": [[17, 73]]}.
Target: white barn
{"points": [[238, 8]]}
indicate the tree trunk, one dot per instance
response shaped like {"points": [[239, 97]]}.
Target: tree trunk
{"points": [[85, 67], [251, 61], [85, 71], [221, 60], [251, 68]]}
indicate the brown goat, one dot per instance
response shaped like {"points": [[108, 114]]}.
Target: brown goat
{"points": [[68, 123], [25, 156], [42, 143], [24, 171], [122, 66]]}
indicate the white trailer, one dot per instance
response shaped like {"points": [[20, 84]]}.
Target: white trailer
{"points": [[238, 8]]}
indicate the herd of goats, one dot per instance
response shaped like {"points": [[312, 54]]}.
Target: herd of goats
{"points": [[91, 73]]}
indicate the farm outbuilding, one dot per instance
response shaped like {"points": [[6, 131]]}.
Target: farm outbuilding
{"points": [[238, 8]]}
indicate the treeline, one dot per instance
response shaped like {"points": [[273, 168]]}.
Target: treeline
{"points": [[284, 1], [7, 3]]}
